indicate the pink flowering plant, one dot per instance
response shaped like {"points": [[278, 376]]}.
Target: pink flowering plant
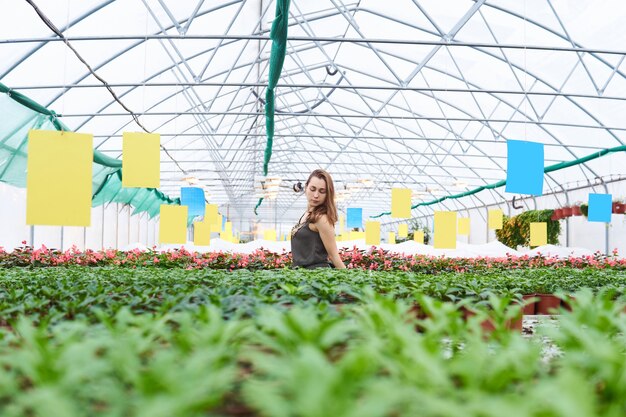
{"points": [[374, 259]]}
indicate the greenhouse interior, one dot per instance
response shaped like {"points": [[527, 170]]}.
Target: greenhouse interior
{"points": [[312, 208]]}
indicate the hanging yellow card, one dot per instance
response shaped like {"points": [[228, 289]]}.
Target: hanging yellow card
{"points": [[228, 227], [342, 223], [269, 234], [228, 237], [201, 234], [141, 160], [211, 216], [495, 219], [418, 236], [538, 234], [372, 233], [445, 229], [464, 226], [59, 172], [173, 224], [357, 235], [391, 238], [401, 203], [403, 230]]}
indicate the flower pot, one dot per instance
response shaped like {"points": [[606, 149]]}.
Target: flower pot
{"points": [[567, 211], [553, 217], [417, 311], [558, 214], [566, 303], [487, 325], [576, 211], [548, 304], [619, 208], [529, 309]]}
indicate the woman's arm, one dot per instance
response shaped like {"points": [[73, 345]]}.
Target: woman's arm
{"points": [[327, 233]]}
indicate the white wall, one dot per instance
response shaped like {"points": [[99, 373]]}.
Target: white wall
{"points": [[110, 226]]}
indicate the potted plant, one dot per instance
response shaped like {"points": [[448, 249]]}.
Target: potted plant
{"points": [[576, 209], [567, 211], [546, 301], [584, 209], [516, 230], [558, 213], [529, 304], [496, 313], [619, 207]]}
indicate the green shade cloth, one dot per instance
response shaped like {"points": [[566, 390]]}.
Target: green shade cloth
{"points": [[21, 114]]}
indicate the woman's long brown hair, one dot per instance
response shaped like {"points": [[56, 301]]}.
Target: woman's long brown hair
{"points": [[328, 208]]}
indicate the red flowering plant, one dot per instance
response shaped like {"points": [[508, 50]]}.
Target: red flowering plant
{"points": [[374, 259]]}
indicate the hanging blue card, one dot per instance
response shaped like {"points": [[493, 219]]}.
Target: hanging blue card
{"points": [[600, 207], [354, 217], [193, 197], [524, 167]]}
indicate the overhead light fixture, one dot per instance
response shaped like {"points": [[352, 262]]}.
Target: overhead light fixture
{"points": [[191, 180], [434, 190], [366, 182], [342, 195], [273, 180]]}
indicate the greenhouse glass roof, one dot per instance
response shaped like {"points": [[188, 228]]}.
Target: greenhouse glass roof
{"points": [[405, 93]]}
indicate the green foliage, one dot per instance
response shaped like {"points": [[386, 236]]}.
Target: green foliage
{"points": [[584, 209], [313, 360], [54, 295], [516, 230]]}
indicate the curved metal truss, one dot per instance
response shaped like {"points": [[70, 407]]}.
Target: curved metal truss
{"points": [[412, 93]]}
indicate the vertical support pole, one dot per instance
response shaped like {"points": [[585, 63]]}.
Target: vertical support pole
{"points": [[487, 225], [102, 231], [117, 226]]}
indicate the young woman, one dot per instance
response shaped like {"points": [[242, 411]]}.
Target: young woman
{"points": [[313, 238]]}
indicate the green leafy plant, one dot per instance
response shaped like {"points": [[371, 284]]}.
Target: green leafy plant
{"points": [[416, 224], [584, 208], [84, 342], [516, 230]]}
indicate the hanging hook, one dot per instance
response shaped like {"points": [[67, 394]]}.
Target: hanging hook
{"points": [[329, 72], [513, 204]]}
